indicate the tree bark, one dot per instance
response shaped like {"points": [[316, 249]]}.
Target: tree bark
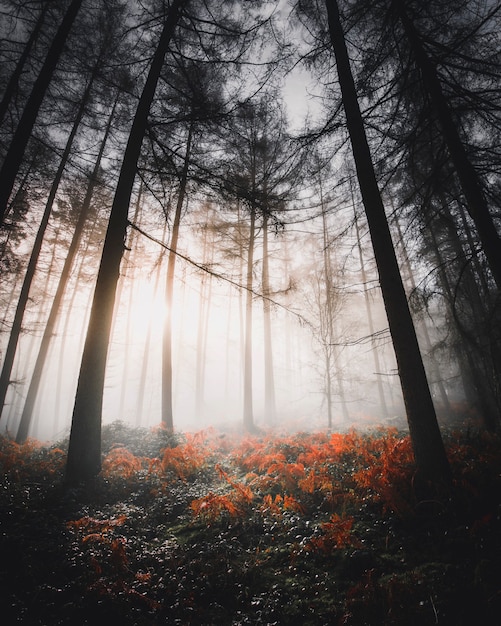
{"points": [[84, 452], [429, 452]]}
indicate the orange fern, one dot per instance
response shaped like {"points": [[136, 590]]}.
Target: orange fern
{"points": [[121, 462], [186, 459], [335, 534], [213, 506]]}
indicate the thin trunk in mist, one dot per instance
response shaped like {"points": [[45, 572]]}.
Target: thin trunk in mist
{"points": [[71, 313], [330, 306], [467, 174], [167, 378], [368, 308], [328, 331], [84, 452], [241, 304], [428, 447], [435, 376], [178, 348], [248, 406], [35, 253], [127, 266], [69, 322], [147, 350], [202, 328], [208, 297], [231, 299], [270, 409], [44, 306], [290, 368], [13, 82], [147, 342], [15, 153], [36, 376]]}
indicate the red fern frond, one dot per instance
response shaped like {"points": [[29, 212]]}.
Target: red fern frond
{"points": [[335, 534], [121, 462]]}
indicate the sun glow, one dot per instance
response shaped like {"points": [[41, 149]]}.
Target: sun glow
{"points": [[147, 307]]}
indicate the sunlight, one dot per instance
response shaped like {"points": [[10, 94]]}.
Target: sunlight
{"points": [[147, 307]]}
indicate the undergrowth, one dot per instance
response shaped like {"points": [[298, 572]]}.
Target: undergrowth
{"points": [[209, 528]]}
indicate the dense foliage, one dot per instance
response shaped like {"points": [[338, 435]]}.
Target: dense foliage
{"points": [[219, 528]]}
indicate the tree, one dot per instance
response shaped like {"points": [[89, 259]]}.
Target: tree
{"points": [[429, 452], [36, 376], [262, 173], [37, 246], [368, 307], [466, 172], [167, 412], [84, 452], [270, 408]]}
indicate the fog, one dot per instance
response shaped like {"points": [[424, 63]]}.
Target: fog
{"points": [[208, 318]]}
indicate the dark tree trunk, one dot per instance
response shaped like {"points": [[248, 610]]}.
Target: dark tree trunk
{"points": [[429, 452], [84, 452], [36, 376], [18, 144]]}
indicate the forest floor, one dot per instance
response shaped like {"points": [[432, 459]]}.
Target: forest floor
{"points": [[217, 528]]}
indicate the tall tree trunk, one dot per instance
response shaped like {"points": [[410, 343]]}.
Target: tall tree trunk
{"points": [[383, 408], [36, 376], [466, 172], [202, 326], [167, 388], [270, 409], [43, 310], [248, 405], [147, 341], [331, 349], [12, 85], [84, 452], [19, 142], [127, 267], [428, 447], [35, 253]]}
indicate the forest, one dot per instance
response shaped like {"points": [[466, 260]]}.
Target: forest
{"points": [[250, 340]]}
